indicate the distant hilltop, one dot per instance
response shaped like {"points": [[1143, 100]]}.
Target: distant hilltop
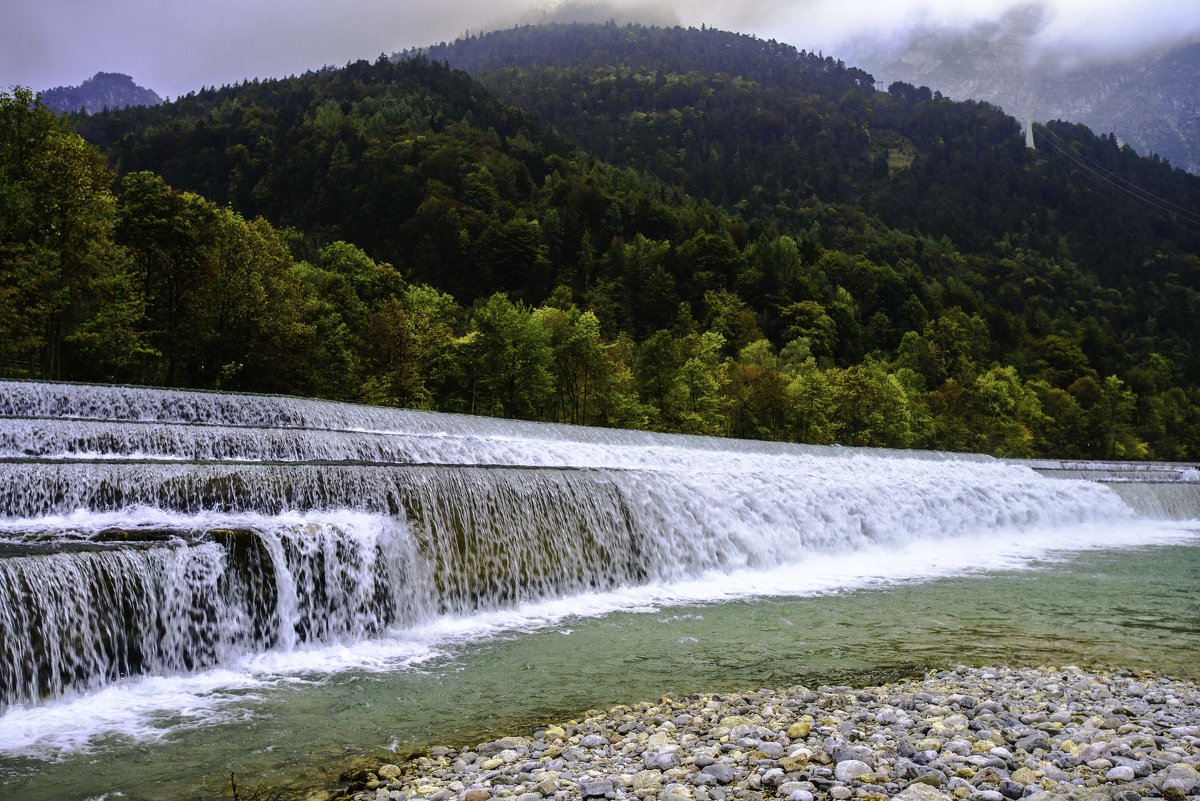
{"points": [[105, 90]]}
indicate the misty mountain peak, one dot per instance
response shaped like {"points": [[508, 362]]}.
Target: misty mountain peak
{"points": [[104, 90], [1147, 98]]}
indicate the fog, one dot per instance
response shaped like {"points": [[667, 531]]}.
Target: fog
{"points": [[175, 47]]}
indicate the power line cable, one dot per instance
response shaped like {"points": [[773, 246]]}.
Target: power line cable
{"points": [[1146, 198], [1116, 182], [1120, 178]]}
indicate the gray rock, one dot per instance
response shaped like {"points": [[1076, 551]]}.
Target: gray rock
{"points": [[1121, 773], [660, 760], [596, 789], [1031, 742], [921, 792], [850, 769], [772, 776], [503, 744], [1140, 767], [931, 777], [771, 750], [1010, 789], [728, 748], [1184, 777], [721, 772], [1093, 751], [988, 775], [956, 783], [841, 753]]}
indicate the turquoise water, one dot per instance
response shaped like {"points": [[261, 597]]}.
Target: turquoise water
{"points": [[1136, 608]]}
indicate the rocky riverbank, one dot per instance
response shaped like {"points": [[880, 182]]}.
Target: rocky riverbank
{"points": [[986, 734]]}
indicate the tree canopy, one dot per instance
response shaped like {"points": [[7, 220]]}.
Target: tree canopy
{"points": [[670, 229]]}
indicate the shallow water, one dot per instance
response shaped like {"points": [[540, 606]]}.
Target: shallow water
{"points": [[1135, 608]]}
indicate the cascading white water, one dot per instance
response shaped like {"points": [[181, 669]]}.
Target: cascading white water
{"points": [[194, 526], [78, 619]]}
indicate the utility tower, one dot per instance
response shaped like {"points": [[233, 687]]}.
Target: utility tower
{"points": [[1029, 133]]}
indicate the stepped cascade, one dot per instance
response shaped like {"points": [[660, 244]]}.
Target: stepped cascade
{"points": [[147, 532]]}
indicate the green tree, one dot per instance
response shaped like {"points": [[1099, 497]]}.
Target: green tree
{"points": [[696, 402], [658, 360], [162, 229], [579, 364], [1008, 413], [68, 304], [807, 320], [810, 405], [869, 407], [411, 349], [961, 342], [506, 360], [224, 300], [757, 393]]}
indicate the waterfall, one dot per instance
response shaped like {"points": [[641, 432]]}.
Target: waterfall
{"points": [[159, 531]]}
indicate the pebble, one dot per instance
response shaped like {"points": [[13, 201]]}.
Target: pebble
{"points": [[963, 734]]}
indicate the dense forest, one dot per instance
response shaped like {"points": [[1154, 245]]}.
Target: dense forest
{"points": [[682, 230]]}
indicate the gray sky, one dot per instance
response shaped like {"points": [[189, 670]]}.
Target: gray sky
{"points": [[174, 46]]}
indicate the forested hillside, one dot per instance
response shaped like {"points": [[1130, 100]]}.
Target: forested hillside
{"points": [[680, 230]]}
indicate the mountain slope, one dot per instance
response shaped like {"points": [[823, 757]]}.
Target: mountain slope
{"points": [[767, 126], [416, 163]]}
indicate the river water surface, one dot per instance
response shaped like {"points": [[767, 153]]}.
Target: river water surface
{"points": [[196, 585]]}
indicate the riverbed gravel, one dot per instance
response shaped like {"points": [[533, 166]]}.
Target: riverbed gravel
{"points": [[971, 734]]}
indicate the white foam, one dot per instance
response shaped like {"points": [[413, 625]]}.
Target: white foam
{"points": [[820, 575], [153, 707], [85, 522]]}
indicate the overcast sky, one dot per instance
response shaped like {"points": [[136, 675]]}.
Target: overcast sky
{"points": [[174, 46]]}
